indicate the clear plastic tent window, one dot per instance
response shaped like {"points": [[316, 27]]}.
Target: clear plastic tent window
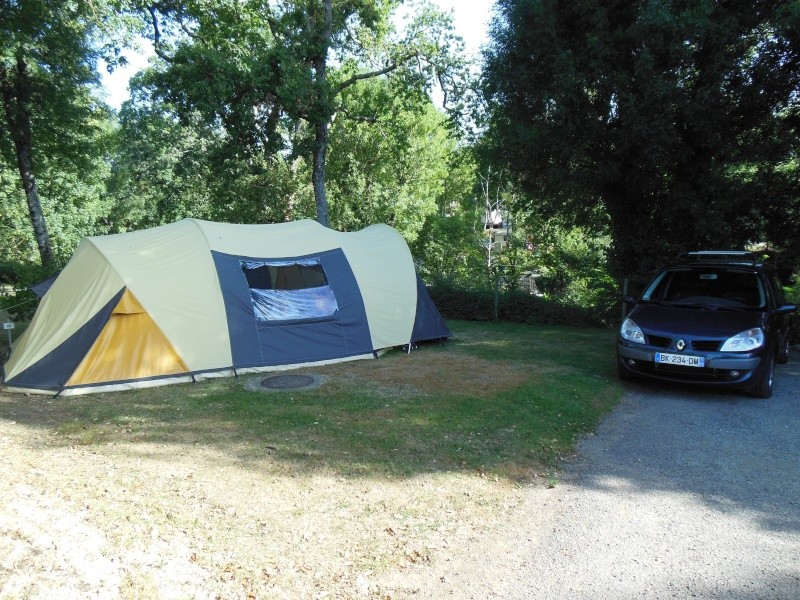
{"points": [[289, 291]]}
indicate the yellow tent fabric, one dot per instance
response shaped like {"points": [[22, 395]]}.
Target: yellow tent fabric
{"points": [[68, 305], [131, 346]]}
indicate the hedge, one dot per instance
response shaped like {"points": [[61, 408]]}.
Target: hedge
{"points": [[515, 307]]}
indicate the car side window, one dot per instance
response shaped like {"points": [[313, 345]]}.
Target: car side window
{"points": [[777, 289]]}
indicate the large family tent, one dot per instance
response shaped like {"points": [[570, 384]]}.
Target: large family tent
{"points": [[197, 299]]}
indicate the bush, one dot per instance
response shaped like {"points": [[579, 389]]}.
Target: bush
{"points": [[515, 307]]}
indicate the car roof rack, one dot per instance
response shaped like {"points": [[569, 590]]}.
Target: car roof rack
{"points": [[718, 256]]}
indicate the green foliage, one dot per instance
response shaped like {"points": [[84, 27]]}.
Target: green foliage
{"points": [[16, 300], [161, 171], [449, 245], [793, 297], [573, 265], [448, 251], [53, 131], [260, 73], [15, 229], [515, 259], [388, 160], [19, 306], [261, 189], [389, 163], [49, 53], [515, 307], [783, 217], [73, 195], [676, 119]]}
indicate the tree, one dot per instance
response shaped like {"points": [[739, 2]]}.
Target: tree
{"points": [[165, 169], [48, 55], [448, 251], [677, 118], [162, 169], [74, 198], [263, 70], [389, 159]]}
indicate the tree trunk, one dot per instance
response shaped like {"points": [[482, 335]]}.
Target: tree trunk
{"points": [[318, 170], [323, 112], [16, 94]]}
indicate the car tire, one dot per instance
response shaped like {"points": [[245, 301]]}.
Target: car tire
{"points": [[763, 388], [783, 353]]}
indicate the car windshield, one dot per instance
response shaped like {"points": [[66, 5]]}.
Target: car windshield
{"points": [[718, 287]]}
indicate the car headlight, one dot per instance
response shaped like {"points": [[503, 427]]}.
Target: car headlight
{"points": [[744, 341], [630, 331]]}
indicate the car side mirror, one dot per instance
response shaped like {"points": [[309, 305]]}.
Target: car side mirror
{"points": [[628, 300], [786, 309]]}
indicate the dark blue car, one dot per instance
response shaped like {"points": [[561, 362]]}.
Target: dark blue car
{"points": [[712, 318]]}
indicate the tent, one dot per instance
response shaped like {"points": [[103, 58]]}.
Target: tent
{"points": [[40, 289], [197, 299]]}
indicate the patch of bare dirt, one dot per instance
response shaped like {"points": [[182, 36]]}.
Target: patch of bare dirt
{"points": [[438, 373]]}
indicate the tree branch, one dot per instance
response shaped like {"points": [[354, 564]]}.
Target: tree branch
{"points": [[370, 74], [157, 36], [359, 118], [273, 24], [186, 29]]}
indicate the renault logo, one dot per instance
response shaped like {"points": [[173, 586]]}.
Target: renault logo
{"points": [[680, 344]]}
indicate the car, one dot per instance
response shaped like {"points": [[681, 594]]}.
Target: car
{"points": [[715, 318]]}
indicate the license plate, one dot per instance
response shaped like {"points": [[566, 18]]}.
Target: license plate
{"points": [[680, 359]]}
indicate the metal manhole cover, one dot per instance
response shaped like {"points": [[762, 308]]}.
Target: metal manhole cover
{"points": [[287, 382]]}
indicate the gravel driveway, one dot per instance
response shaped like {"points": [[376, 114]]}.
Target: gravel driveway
{"points": [[680, 494]]}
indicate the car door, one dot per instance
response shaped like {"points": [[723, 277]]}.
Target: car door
{"points": [[780, 321]]}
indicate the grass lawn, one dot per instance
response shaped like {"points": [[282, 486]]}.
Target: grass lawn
{"points": [[503, 399], [370, 469]]}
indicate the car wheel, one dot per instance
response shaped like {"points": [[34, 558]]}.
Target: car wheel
{"points": [[783, 353], [763, 388]]}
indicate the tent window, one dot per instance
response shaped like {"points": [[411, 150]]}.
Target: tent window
{"points": [[289, 291]]}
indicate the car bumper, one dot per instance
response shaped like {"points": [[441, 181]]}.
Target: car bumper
{"points": [[721, 369]]}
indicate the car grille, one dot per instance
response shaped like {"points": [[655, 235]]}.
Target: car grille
{"points": [[706, 345], [658, 341]]}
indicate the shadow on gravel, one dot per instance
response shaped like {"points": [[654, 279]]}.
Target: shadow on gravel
{"points": [[733, 452]]}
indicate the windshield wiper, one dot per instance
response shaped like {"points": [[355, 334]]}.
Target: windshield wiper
{"points": [[687, 305], [712, 306]]}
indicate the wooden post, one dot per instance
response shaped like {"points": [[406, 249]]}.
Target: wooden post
{"points": [[497, 294]]}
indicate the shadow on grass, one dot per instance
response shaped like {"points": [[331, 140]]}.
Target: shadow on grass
{"points": [[504, 400]]}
